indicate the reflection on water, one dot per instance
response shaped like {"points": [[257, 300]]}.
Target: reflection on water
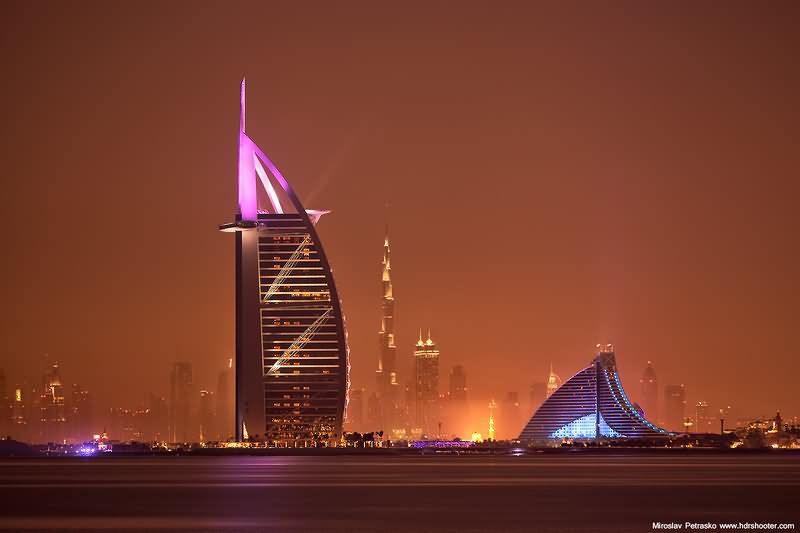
{"points": [[543, 493]]}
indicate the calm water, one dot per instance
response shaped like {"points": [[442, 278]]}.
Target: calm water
{"points": [[559, 493]]}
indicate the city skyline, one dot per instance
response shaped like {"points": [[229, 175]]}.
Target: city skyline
{"points": [[420, 266], [653, 209]]}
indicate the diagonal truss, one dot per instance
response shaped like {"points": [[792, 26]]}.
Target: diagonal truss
{"points": [[286, 269], [300, 342]]}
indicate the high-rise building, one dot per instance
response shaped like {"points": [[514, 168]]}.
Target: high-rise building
{"points": [[553, 382], [5, 407], [674, 407], [19, 420], [181, 396], [703, 421], [510, 419], [225, 403], [208, 426], [649, 392], [120, 424], [157, 428], [373, 412], [536, 395], [80, 414], [128, 424], [426, 386], [727, 417], [492, 433], [356, 409], [455, 408], [291, 347], [386, 374], [52, 406], [590, 405], [458, 385]]}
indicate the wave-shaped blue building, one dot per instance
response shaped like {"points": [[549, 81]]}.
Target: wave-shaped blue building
{"points": [[590, 405]]}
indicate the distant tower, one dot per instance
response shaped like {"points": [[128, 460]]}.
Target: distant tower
{"points": [[702, 419], [80, 414], [52, 406], [649, 392], [777, 422], [458, 384], [492, 407], [426, 373], [224, 408], [355, 410], [536, 395], [5, 407], [158, 429], [19, 420], [180, 403], [553, 382], [510, 416], [674, 407], [373, 412], [386, 374], [208, 429]]}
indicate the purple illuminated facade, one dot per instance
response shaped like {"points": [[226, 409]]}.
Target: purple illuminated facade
{"points": [[291, 343]]}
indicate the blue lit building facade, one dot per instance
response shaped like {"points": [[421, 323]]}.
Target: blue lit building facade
{"points": [[591, 405]]}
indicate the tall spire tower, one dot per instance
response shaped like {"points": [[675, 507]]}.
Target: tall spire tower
{"points": [[291, 364], [386, 375], [553, 382]]}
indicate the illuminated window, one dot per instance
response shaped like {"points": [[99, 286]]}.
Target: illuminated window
{"points": [[584, 428]]}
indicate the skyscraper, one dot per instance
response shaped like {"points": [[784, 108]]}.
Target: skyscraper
{"points": [[674, 407], [703, 421], [386, 374], [224, 408], [553, 382], [536, 395], [373, 412], [157, 427], [52, 406], [510, 419], [80, 414], [124, 424], [208, 425], [181, 396], [649, 392], [291, 347], [458, 384], [19, 420], [492, 431], [5, 407], [356, 409], [426, 386], [456, 409]]}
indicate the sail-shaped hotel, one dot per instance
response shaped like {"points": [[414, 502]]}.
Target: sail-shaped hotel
{"points": [[291, 343]]}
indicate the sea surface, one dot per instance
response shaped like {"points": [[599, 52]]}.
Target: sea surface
{"points": [[541, 492]]}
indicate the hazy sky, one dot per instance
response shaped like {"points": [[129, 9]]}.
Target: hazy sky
{"points": [[558, 175]]}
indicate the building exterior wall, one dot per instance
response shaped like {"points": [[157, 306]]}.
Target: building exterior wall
{"points": [[590, 405], [303, 352], [291, 344]]}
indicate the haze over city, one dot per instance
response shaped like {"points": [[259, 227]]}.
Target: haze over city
{"points": [[555, 178]]}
